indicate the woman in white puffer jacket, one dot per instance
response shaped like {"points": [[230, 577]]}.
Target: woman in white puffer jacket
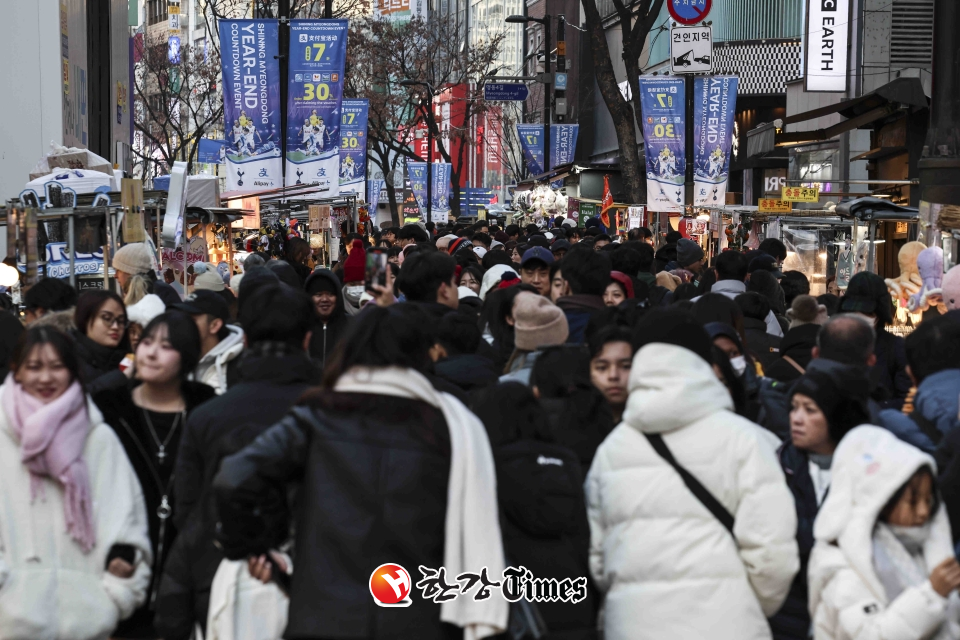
{"points": [[667, 566], [74, 552], [883, 567]]}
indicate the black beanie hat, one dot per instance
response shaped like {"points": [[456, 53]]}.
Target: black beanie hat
{"points": [[676, 327], [840, 390]]}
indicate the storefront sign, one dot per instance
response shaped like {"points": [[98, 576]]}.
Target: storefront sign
{"points": [[772, 205], [58, 261], [801, 194], [587, 211], [664, 125], [318, 52], [825, 45], [635, 217]]}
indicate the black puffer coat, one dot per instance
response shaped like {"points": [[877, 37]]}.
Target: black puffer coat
{"points": [[272, 383], [798, 344], [373, 473], [543, 518], [99, 365]]}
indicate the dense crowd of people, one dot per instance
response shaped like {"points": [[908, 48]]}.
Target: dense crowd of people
{"points": [[720, 454]]}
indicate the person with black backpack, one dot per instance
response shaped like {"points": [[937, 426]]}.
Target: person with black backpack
{"points": [[692, 524]]}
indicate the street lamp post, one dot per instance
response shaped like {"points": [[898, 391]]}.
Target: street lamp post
{"points": [[548, 81], [430, 94]]}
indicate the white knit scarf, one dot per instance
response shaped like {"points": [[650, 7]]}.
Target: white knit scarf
{"points": [[472, 537]]}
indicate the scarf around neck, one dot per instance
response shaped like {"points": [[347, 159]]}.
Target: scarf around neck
{"points": [[472, 538], [52, 437], [898, 557]]}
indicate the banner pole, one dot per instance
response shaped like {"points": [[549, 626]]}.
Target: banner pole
{"points": [[283, 42], [688, 142]]}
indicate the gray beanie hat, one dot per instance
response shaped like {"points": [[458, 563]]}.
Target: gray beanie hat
{"points": [[537, 322], [134, 258], [688, 252]]}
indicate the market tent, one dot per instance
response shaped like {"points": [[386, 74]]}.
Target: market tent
{"points": [[80, 180]]}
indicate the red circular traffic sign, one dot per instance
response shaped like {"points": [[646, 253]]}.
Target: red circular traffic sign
{"points": [[689, 12]]}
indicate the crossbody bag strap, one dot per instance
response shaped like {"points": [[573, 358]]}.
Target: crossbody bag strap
{"points": [[696, 488], [793, 363]]}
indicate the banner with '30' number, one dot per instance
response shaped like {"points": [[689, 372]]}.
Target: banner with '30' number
{"points": [[353, 145], [318, 51]]}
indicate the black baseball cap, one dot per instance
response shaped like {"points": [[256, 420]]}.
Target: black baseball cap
{"points": [[764, 262], [560, 245], [204, 302]]}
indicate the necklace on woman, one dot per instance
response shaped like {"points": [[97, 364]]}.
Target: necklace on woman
{"points": [[162, 446]]}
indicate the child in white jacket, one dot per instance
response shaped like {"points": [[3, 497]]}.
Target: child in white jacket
{"points": [[883, 566]]}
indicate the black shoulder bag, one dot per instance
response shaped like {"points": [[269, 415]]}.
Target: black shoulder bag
{"points": [[696, 488]]}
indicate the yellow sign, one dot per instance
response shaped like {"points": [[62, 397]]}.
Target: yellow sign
{"points": [[772, 205], [801, 194]]}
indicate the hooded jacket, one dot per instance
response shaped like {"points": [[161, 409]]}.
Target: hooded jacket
{"points": [[938, 401], [212, 368], [49, 588], [847, 598], [327, 334], [579, 309], [669, 568]]}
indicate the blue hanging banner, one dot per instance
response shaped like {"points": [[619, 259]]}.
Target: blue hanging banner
{"points": [[440, 208], [211, 151], [251, 104], [417, 172], [714, 112], [318, 52], [563, 146], [664, 110], [374, 187], [353, 145], [531, 143]]}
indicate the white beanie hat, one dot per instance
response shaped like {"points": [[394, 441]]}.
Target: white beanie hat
{"points": [[134, 258], [491, 279], [149, 307], [465, 292]]}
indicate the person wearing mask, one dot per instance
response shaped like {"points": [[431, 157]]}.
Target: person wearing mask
{"points": [[455, 354], [374, 406], [829, 400], [275, 368], [619, 289], [138, 259], [332, 320], [763, 345], [77, 561], [933, 357], [586, 274], [472, 278], [535, 269], [542, 508], [50, 295], [221, 344], [537, 323], [611, 357], [694, 570], [883, 564], [430, 280], [148, 417], [867, 295], [741, 379]]}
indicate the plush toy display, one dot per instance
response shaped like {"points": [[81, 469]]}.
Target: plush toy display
{"points": [[930, 266], [951, 288], [909, 282]]}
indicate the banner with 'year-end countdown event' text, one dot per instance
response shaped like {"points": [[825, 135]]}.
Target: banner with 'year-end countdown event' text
{"points": [[531, 143], [663, 103], [251, 104], [714, 110], [563, 147], [440, 206], [353, 145], [318, 51]]}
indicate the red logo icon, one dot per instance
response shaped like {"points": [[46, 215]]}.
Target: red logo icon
{"points": [[390, 586]]}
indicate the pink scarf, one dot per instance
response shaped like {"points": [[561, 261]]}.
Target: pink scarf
{"points": [[52, 437]]}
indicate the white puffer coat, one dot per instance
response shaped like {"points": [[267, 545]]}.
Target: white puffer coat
{"points": [[668, 567], [847, 599], [49, 588]]}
